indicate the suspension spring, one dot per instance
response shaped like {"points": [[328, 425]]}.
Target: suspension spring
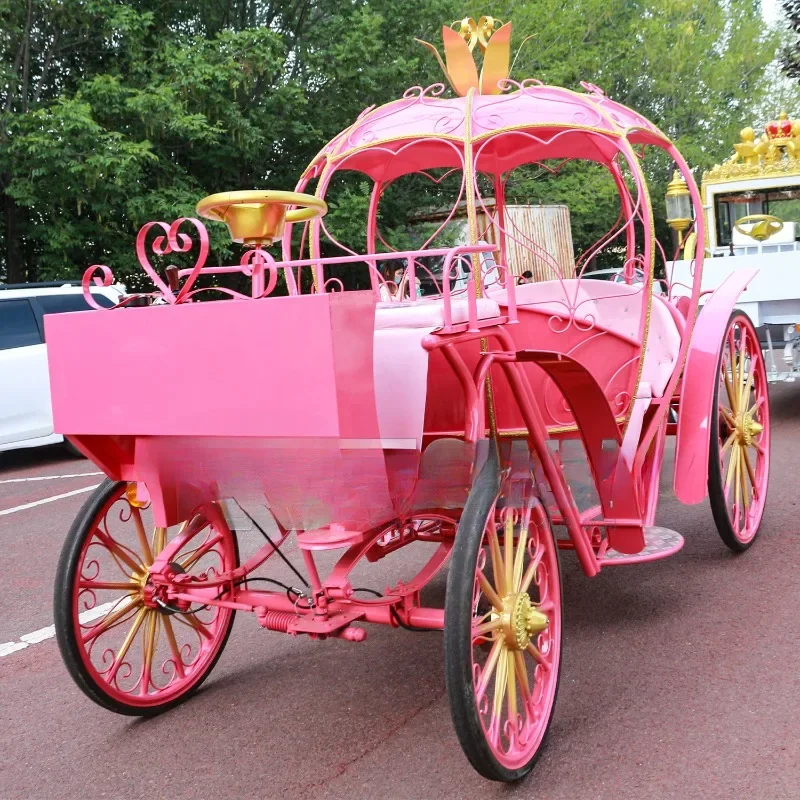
{"points": [[276, 620]]}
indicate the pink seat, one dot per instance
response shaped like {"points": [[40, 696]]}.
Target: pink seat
{"points": [[401, 363], [615, 307], [429, 313]]}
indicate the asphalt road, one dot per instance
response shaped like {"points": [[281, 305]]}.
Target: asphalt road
{"points": [[680, 679]]}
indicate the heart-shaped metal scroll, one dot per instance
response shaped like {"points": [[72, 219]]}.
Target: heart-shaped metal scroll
{"points": [[172, 242]]}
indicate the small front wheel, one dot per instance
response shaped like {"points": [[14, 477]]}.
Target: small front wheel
{"points": [[502, 634], [738, 466], [126, 650]]}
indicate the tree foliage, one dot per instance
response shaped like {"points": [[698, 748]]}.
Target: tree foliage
{"points": [[696, 68], [114, 112]]}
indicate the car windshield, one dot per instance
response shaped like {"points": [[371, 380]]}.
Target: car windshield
{"points": [[783, 203]]}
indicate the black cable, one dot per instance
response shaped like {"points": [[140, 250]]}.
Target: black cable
{"points": [[174, 610], [265, 580], [276, 549], [369, 591]]}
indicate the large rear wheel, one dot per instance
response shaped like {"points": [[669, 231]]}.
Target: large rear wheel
{"points": [[502, 633], [738, 467]]}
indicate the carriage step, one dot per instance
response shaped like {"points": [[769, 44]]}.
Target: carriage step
{"points": [[332, 537], [659, 543]]}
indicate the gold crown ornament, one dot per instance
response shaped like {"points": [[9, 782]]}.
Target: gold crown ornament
{"points": [[494, 40]]}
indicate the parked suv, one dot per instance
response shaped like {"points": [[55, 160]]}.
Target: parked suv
{"points": [[26, 413]]}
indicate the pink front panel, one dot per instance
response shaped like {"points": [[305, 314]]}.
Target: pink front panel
{"points": [[266, 368], [307, 483]]}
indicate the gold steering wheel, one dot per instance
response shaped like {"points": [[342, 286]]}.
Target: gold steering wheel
{"points": [[764, 226], [259, 217]]}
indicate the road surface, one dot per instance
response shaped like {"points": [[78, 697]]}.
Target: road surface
{"points": [[680, 679]]}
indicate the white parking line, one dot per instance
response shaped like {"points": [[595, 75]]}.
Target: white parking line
{"points": [[43, 634], [55, 497], [51, 477]]}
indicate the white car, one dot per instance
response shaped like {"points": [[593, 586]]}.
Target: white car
{"points": [[617, 275], [26, 412]]}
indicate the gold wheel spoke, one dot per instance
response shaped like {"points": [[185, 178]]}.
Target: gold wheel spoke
{"points": [[201, 551], [486, 627], [512, 688], [117, 551], [728, 417], [159, 540], [500, 683], [729, 388], [522, 676], [489, 592], [519, 558], [497, 561], [728, 442], [737, 460], [123, 586], [740, 354], [149, 646], [530, 572], [537, 656], [173, 645], [758, 403], [729, 474], [732, 377], [750, 471], [136, 515], [192, 622], [125, 646], [743, 478], [488, 668], [111, 619], [748, 385], [508, 554]]}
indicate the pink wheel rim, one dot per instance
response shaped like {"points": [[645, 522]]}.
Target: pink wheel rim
{"points": [[516, 631], [744, 429], [136, 652]]}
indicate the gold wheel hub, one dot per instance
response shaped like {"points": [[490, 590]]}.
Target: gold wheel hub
{"points": [[746, 429], [521, 620]]}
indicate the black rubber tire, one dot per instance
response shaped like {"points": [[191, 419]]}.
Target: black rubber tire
{"points": [[64, 620], [716, 489], [458, 630]]}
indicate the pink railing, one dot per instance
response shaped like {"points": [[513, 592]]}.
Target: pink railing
{"points": [[262, 268]]}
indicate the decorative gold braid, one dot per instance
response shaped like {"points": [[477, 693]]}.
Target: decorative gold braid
{"points": [[652, 232]]}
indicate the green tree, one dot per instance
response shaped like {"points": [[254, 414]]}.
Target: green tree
{"points": [[116, 112], [697, 68]]}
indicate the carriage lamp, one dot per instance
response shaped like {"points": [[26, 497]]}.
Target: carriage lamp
{"points": [[679, 206]]}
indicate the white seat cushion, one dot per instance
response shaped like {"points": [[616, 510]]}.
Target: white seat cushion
{"points": [[430, 313], [615, 307]]}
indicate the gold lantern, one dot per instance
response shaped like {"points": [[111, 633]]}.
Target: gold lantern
{"points": [[679, 204]]}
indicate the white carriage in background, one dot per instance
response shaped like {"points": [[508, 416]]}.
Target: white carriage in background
{"points": [[752, 208]]}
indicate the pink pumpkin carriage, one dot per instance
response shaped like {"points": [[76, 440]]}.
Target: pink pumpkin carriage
{"points": [[365, 421]]}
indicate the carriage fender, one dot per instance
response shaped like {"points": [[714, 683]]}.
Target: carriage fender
{"points": [[699, 382]]}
